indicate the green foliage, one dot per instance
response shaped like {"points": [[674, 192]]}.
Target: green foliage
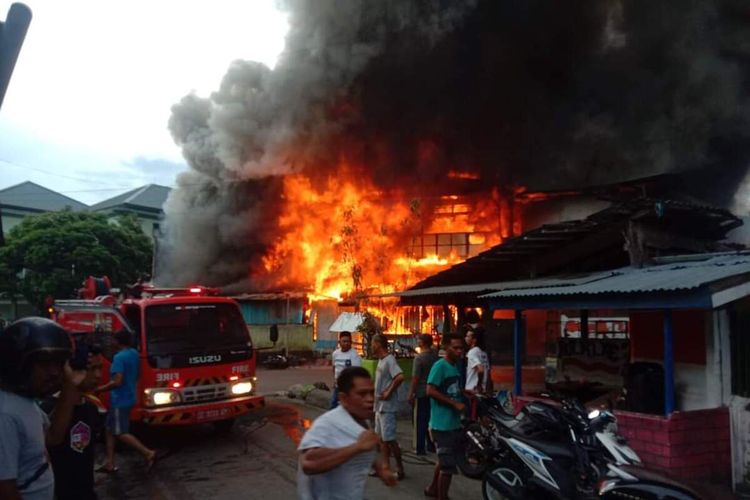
{"points": [[52, 253]]}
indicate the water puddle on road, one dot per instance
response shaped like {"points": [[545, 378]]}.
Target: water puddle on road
{"points": [[289, 419]]}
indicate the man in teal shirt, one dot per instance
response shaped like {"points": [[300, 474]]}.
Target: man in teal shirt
{"points": [[123, 382], [446, 408]]}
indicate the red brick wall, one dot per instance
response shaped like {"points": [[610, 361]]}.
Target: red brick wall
{"points": [[691, 445], [688, 445]]}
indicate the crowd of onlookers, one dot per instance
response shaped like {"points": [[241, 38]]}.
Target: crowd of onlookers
{"points": [[342, 447], [50, 413]]}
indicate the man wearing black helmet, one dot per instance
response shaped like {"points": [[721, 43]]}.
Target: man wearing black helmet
{"points": [[34, 354]]}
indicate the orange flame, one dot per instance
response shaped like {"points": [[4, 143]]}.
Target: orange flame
{"points": [[342, 237]]}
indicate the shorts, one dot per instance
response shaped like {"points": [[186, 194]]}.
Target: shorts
{"points": [[118, 421], [447, 444], [385, 425]]}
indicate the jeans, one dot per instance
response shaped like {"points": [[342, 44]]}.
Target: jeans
{"points": [[421, 422], [335, 398]]}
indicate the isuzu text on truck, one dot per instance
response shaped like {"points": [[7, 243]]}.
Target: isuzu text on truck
{"points": [[197, 357]]}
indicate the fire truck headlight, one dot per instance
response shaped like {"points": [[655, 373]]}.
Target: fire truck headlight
{"points": [[242, 388], [159, 397]]}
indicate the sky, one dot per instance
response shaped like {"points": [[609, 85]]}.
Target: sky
{"points": [[87, 107]]}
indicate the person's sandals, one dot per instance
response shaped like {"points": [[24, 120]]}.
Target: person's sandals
{"points": [[400, 475], [106, 470], [429, 494]]}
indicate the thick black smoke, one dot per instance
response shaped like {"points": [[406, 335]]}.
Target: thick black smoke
{"points": [[537, 92]]}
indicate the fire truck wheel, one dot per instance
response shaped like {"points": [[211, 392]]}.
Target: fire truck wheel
{"points": [[224, 426]]}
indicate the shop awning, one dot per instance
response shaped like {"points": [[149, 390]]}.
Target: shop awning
{"points": [[691, 281], [346, 322]]}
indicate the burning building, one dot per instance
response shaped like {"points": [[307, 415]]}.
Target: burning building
{"points": [[395, 138]]}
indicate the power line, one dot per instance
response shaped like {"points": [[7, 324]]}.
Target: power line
{"points": [[55, 174], [24, 195]]}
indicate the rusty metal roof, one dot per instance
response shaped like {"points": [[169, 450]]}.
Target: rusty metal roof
{"points": [[588, 245]]}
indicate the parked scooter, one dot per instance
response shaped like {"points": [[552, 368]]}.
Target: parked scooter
{"points": [[564, 452], [276, 362]]}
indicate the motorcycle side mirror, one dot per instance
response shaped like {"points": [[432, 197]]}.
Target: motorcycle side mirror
{"points": [[273, 333]]}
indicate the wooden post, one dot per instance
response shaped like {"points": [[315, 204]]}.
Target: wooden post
{"points": [[669, 399]]}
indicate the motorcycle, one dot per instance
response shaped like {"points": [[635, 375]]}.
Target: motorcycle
{"points": [[480, 436], [276, 362], [564, 452]]}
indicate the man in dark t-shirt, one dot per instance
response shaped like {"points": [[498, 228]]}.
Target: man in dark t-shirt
{"points": [[73, 460]]}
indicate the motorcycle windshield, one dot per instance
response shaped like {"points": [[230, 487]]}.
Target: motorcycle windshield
{"points": [[195, 329]]}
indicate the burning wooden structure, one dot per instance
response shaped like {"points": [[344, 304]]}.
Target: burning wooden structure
{"points": [[569, 306]]}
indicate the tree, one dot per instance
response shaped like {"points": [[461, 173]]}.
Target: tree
{"points": [[51, 254], [369, 327]]}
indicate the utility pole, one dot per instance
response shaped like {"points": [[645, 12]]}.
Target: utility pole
{"points": [[12, 34]]}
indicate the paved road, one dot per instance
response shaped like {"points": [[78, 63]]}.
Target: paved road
{"points": [[257, 459], [271, 381]]}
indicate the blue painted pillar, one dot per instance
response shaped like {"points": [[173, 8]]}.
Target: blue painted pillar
{"points": [[518, 340], [668, 364]]}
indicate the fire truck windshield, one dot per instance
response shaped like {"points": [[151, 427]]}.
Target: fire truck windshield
{"points": [[194, 328]]}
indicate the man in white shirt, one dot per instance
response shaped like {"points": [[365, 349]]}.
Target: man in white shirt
{"points": [[343, 357], [339, 449], [477, 364], [388, 378]]}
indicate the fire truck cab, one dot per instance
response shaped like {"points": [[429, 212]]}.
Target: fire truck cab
{"points": [[197, 358]]}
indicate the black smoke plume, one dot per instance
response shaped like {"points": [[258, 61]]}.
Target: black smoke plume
{"points": [[533, 92]]}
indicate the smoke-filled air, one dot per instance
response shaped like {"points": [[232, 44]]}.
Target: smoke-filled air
{"points": [[317, 174]]}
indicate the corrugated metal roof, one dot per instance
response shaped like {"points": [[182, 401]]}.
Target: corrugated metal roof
{"points": [[500, 285], [270, 296], [671, 276]]}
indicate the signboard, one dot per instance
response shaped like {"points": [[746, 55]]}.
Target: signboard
{"points": [[600, 327]]}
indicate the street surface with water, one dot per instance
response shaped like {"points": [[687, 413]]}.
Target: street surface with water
{"points": [[257, 459]]}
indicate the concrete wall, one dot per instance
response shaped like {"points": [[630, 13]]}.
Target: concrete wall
{"points": [[147, 223], [292, 337], [10, 221], [22, 309]]}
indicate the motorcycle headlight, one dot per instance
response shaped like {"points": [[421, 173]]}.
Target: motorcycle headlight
{"points": [[160, 397], [593, 414], [244, 387]]}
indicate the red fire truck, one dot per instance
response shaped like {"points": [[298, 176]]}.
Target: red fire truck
{"points": [[197, 357]]}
